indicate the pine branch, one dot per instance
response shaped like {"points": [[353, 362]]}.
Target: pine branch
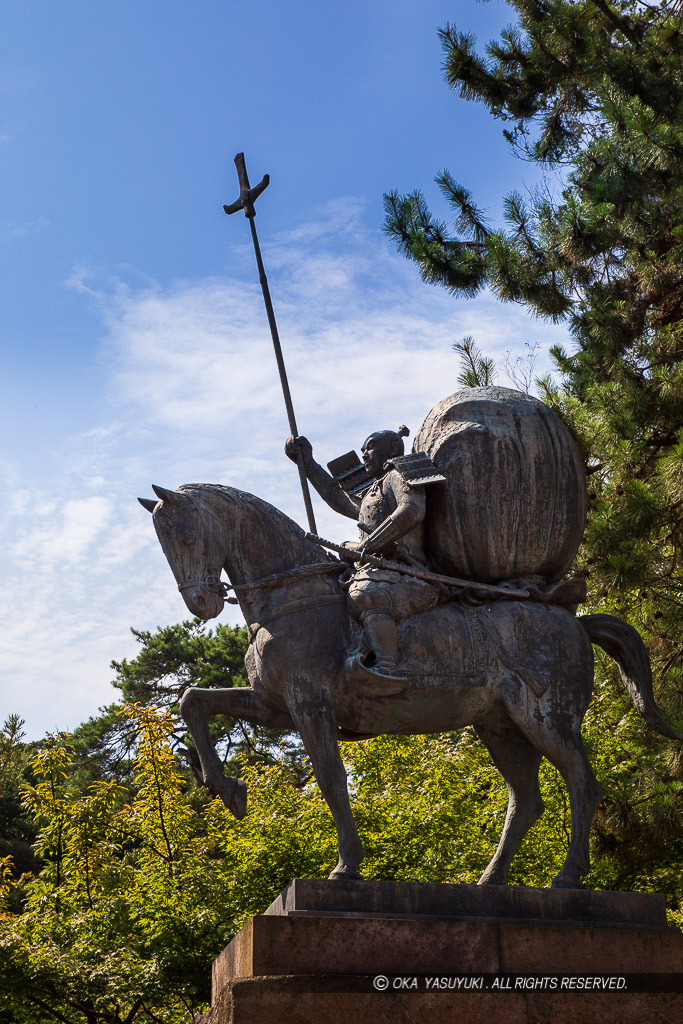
{"points": [[477, 371], [623, 24], [469, 219]]}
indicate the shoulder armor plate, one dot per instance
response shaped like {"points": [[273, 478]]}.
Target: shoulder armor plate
{"points": [[350, 474], [416, 469]]}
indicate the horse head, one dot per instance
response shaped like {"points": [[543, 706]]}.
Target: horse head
{"points": [[194, 546], [204, 528]]}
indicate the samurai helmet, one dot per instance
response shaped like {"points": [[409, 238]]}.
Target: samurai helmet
{"points": [[388, 442]]}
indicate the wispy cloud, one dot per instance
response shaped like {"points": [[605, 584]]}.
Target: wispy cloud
{"points": [[17, 79], [11, 232], [194, 395]]}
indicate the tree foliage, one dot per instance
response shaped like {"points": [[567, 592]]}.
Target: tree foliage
{"points": [[138, 878], [141, 888], [598, 87], [17, 828], [477, 370], [139, 884]]}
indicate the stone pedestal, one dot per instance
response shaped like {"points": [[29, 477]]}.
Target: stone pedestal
{"points": [[376, 952]]}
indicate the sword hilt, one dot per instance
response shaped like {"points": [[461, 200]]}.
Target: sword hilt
{"points": [[248, 195]]}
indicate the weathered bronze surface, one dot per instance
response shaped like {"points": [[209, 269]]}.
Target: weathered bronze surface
{"points": [[409, 658], [515, 503], [390, 514]]}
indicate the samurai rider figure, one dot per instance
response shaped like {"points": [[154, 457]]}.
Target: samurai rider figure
{"points": [[390, 508]]}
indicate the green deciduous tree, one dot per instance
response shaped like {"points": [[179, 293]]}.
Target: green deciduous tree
{"points": [[141, 886], [138, 889]]}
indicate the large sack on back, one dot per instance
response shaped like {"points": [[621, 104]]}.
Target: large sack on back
{"points": [[514, 502]]}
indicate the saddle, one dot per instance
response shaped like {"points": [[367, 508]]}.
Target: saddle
{"points": [[566, 594]]}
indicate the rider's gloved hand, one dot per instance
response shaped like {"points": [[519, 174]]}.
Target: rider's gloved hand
{"points": [[350, 545], [294, 445]]}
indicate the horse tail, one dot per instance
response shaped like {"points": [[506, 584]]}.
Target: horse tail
{"points": [[624, 643]]}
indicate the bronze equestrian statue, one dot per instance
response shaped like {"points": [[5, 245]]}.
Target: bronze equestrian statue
{"points": [[390, 514], [505, 652]]}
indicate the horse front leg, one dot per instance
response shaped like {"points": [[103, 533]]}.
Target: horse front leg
{"points": [[311, 708], [197, 707]]}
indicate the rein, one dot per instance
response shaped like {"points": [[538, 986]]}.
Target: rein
{"points": [[278, 579]]}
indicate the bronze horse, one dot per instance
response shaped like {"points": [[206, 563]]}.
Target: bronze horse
{"points": [[520, 673]]}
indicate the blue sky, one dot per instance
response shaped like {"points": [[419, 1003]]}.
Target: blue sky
{"points": [[134, 344]]}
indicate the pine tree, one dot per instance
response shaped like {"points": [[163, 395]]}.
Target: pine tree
{"points": [[17, 829], [478, 371], [594, 88]]}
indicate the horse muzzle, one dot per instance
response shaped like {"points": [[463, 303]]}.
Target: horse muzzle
{"points": [[204, 598]]}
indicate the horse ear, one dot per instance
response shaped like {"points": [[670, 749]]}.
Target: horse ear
{"points": [[171, 497], [149, 503]]}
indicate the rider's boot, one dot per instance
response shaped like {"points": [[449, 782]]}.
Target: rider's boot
{"points": [[381, 677]]}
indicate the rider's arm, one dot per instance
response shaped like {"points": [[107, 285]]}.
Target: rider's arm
{"points": [[410, 510], [331, 492], [326, 486]]}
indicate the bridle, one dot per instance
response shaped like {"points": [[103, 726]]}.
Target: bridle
{"points": [[212, 583], [215, 585], [278, 579]]}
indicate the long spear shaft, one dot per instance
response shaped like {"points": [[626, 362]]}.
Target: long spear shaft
{"points": [[245, 202]]}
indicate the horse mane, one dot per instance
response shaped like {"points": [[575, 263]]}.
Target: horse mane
{"points": [[251, 516]]}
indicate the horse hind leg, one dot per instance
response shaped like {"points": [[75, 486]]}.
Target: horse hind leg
{"points": [[584, 796], [197, 707], [518, 762], [312, 711], [561, 743]]}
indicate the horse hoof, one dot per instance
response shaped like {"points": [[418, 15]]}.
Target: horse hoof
{"points": [[232, 792], [239, 800], [343, 871], [566, 883]]}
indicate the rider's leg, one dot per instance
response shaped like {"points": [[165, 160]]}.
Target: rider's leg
{"points": [[382, 634], [370, 602]]}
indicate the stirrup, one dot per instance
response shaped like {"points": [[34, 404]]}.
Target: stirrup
{"points": [[377, 684]]}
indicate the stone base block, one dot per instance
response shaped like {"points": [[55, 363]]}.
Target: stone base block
{"points": [[317, 957], [295, 1000], [344, 897]]}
